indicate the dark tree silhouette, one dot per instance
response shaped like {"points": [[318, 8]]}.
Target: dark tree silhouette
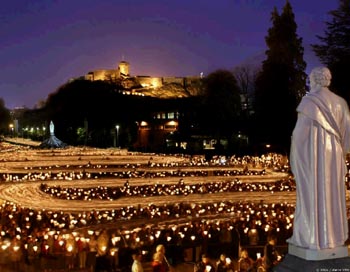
{"points": [[92, 109], [221, 104], [87, 112], [281, 83], [5, 117], [334, 48], [246, 76]]}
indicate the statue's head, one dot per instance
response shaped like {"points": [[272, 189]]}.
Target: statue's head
{"points": [[320, 77]]}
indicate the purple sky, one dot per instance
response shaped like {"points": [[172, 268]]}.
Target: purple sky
{"points": [[44, 43]]}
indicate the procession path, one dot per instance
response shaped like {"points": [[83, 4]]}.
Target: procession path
{"points": [[29, 195]]}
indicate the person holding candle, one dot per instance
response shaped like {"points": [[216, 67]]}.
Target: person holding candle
{"points": [[137, 264], [245, 263], [271, 256], [204, 265], [160, 262]]}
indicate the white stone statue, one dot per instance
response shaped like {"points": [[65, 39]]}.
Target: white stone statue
{"points": [[52, 142], [52, 128], [320, 142]]}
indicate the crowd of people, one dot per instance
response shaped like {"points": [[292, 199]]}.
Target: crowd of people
{"points": [[43, 234], [233, 233]]}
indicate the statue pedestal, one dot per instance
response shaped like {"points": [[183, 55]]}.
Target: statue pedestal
{"points": [[291, 263], [304, 259], [317, 255]]}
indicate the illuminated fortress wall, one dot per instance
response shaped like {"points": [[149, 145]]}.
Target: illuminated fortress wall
{"points": [[101, 75], [146, 81]]}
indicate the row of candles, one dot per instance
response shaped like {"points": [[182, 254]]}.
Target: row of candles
{"points": [[181, 188], [76, 174], [264, 216]]}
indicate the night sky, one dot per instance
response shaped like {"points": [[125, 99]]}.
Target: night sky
{"points": [[44, 43]]}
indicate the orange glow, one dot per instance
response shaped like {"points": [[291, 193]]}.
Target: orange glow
{"points": [[155, 83], [172, 123]]}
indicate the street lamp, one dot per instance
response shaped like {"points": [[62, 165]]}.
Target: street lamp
{"points": [[117, 128], [11, 129], [44, 130]]}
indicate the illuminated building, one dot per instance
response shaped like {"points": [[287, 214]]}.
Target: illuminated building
{"points": [[162, 87], [153, 134], [157, 131]]}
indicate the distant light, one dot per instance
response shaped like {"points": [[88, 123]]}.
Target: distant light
{"points": [[172, 123]]}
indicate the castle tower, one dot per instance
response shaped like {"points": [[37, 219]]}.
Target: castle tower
{"points": [[123, 68]]}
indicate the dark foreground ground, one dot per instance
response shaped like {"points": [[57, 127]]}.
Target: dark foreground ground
{"points": [[59, 266]]}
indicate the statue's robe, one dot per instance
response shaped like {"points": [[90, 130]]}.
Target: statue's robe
{"points": [[320, 141]]}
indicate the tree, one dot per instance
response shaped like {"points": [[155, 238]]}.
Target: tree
{"points": [[82, 102], [281, 83], [5, 117], [334, 49], [221, 104], [87, 112], [246, 76]]}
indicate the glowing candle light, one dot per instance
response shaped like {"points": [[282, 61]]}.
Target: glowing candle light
{"points": [[70, 248]]}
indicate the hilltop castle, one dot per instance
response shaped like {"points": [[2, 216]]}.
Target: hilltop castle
{"points": [[163, 87]]}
